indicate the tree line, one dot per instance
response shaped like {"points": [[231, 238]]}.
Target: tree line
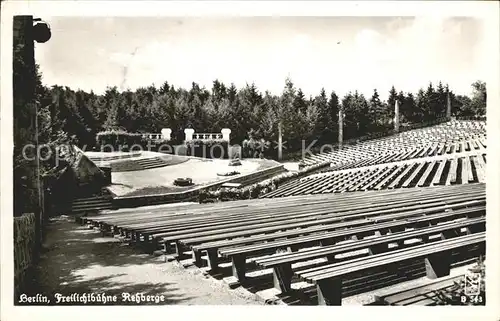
{"points": [[76, 116], [247, 111]]}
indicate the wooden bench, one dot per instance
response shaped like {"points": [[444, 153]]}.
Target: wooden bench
{"points": [[423, 295], [239, 249], [282, 263], [328, 278], [194, 237]]}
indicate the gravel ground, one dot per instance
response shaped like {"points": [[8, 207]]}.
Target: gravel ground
{"points": [[78, 260]]}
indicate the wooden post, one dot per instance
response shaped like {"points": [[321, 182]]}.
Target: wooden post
{"points": [[396, 116], [448, 106], [341, 128], [280, 142], [438, 264], [329, 292], [282, 277]]}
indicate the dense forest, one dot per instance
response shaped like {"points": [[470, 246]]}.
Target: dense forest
{"points": [[246, 111]]}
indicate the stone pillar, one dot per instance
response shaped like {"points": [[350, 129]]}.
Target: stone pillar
{"points": [[189, 134], [280, 142], [225, 134], [396, 116], [341, 128], [165, 133], [448, 106]]}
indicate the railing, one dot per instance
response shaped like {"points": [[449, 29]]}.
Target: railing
{"points": [[207, 136], [152, 136]]}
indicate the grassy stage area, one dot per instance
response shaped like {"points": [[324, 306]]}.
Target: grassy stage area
{"points": [[161, 180]]}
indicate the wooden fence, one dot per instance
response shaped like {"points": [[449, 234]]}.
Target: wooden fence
{"points": [[25, 243]]}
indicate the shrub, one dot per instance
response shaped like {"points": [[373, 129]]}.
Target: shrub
{"points": [[118, 139], [456, 294]]}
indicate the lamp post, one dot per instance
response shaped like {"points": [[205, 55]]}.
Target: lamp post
{"points": [[40, 32]]}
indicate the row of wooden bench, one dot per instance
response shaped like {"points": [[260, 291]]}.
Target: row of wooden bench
{"points": [[463, 170], [282, 263], [437, 256], [243, 230], [426, 151], [239, 215], [449, 134], [170, 224], [423, 295], [397, 150]]}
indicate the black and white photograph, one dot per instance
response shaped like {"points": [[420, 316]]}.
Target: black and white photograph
{"points": [[241, 159]]}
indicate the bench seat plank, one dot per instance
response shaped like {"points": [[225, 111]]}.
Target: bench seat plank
{"points": [[355, 265], [343, 248]]}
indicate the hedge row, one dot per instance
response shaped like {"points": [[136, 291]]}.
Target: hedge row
{"points": [[122, 140], [258, 189]]}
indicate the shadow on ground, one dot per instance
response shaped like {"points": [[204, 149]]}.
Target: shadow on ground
{"points": [[78, 260]]}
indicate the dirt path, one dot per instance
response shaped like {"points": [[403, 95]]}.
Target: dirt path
{"points": [[78, 260]]}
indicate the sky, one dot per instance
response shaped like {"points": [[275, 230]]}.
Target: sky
{"points": [[336, 53]]}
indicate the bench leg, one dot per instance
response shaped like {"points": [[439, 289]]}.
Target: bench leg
{"points": [[197, 258], [282, 277], [379, 248], [138, 238], [151, 245], [105, 229], [330, 258], [438, 265], [213, 259], [179, 250], [238, 267], [167, 247], [474, 229], [448, 234], [327, 242], [329, 292]]}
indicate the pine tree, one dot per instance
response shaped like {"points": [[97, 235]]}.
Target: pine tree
{"points": [[299, 102], [431, 103], [333, 110], [375, 112], [440, 100], [391, 102], [421, 106], [323, 127]]}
